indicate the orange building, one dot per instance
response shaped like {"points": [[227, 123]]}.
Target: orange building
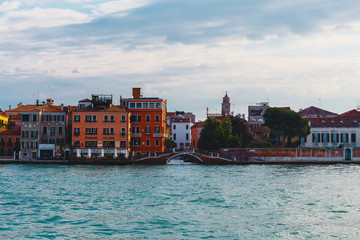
{"points": [[148, 123], [100, 128], [195, 134]]}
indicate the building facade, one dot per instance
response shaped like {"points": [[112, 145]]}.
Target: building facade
{"points": [[100, 128], [181, 132], [148, 123]]}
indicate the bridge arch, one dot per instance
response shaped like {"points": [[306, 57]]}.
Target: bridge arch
{"points": [[185, 154]]}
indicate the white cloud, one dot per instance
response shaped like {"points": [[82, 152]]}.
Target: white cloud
{"points": [[9, 5], [118, 6], [39, 17]]}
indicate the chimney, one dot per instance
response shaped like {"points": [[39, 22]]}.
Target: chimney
{"points": [[37, 102], [49, 101], [62, 107], [136, 93], [9, 107], [19, 105]]}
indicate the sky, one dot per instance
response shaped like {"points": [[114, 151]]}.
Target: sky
{"points": [[296, 53]]}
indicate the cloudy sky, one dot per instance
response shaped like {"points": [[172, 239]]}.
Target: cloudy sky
{"points": [[294, 53]]}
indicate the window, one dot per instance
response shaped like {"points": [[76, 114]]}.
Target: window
{"points": [[88, 118], [76, 131], [152, 105], [24, 134], [187, 136], [157, 118], [106, 118], [34, 118], [334, 137], [52, 130], [61, 118], [111, 143], [187, 126], [147, 142], [76, 143], [139, 142], [174, 126], [157, 129], [344, 137], [132, 129], [25, 117], [123, 133], [106, 131], [94, 131], [147, 129], [132, 105], [112, 118], [137, 129], [45, 118], [135, 118], [138, 105], [158, 105], [156, 142], [174, 136], [44, 130], [87, 143], [60, 130], [123, 118], [112, 131], [123, 144], [145, 105], [106, 144], [53, 118], [76, 118], [325, 137], [147, 118], [88, 131], [94, 118], [353, 137], [34, 134]]}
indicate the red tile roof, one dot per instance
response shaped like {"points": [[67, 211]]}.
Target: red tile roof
{"points": [[85, 100], [315, 112], [351, 114], [334, 122]]}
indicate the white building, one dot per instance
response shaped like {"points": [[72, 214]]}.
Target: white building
{"points": [[181, 132], [332, 132]]}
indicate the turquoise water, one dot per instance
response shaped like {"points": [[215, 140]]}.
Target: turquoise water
{"points": [[179, 202]]}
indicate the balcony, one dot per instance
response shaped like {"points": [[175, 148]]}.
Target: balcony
{"points": [[135, 134], [160, 135]]}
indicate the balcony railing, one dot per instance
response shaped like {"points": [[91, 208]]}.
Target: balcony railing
{"points": [[160, 135], [135, 134]]}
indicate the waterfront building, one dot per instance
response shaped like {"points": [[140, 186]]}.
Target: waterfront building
{"points": [[195, 133], [343, 130], [4, 119], [43, 128], [100, 128], [148, 123], [181, 132]]}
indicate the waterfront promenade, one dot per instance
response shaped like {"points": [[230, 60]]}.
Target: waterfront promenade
{"points": [[234, 156]]}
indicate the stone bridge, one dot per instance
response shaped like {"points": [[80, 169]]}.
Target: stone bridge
{"points": [[187, 156]]}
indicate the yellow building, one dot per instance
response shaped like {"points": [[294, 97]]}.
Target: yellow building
{"points": [[3, 121]]}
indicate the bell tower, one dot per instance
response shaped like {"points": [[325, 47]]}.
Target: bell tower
{"points": [[225, 106]]}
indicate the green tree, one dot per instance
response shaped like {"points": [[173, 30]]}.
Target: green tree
{"points": [[211, 135], [216, 135], [169, 144], [286, 123], [241, 130]]}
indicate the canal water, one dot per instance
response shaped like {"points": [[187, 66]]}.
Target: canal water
{"points": [[180, 201]]}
